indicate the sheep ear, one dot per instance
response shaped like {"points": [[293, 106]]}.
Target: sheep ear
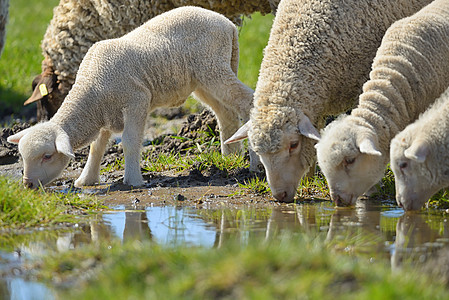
{"points": [[42, 85], [418, 151], [307, 129], [63, 145], [241, 134], [368, 146], [14, 139]]}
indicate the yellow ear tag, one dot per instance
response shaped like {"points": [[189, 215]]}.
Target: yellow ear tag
{"points": [[43, 89]]}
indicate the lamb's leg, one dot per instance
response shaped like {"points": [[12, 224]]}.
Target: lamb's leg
{"points": [[231, 102], [227, 118], [91, 172], [132, 143]]}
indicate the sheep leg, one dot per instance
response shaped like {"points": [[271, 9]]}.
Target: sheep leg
{"points": [[132, 142], [91, 172], [234, 107], [228, 120]]}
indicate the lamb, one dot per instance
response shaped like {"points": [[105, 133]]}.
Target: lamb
{"points": [[408, 73], [318, 56], [121, 80], [78, 24], [4, 8], [419, 156]]}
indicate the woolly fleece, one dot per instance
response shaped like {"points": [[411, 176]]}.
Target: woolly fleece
{"points": [[420, 156], [318, 56], [120, 81], [409, 72]]}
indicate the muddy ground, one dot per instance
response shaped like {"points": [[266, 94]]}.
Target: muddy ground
{"points": [[191, 187]]}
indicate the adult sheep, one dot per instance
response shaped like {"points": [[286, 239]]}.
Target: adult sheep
{"points": [[77, 24], [409, 72], [318, 56], [4, 8], [420, 156], [120, 81]]}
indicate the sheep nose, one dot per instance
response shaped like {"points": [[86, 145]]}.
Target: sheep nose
{"points": [[280, 196], [29, 185], [338, 200]]}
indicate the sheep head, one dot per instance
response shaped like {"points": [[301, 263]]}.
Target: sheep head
{"points": [[45, 150], [416, 175], [49, 93], [284, 152], [349, 156]]}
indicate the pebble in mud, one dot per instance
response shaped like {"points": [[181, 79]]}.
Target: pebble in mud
{"points": [[179, 197]]}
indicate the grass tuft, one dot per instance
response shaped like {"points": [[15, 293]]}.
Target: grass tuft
{"points": [[22, 208], [291, 266]]}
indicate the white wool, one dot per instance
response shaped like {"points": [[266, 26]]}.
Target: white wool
{"points": [[408, 73], [78, 24], [318, 55], [122, 80], [419, 156]]}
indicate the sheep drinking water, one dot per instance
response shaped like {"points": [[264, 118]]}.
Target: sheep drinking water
{"points": [[318, 55], [121, 80], [409, 72], [419, 156]]}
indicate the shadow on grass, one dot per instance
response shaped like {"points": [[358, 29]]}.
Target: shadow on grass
{"points": [[11, 106]]}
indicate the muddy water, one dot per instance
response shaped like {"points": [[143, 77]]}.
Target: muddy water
{"points": [[186, 217]]}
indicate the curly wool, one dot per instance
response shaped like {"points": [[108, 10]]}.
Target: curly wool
{"points": [[422, 176], [317, 58], [77, 25], [268, 134], [409, 73]]}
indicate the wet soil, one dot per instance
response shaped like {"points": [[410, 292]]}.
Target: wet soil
{"points": [[195, 186]]}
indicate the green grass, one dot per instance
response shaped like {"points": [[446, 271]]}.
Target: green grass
{"points": [[22, 208], [253, 39], [256, 185], [292, 266], [202, 161], [22, 55]]}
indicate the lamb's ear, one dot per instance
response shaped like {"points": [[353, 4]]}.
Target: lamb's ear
{"points": [[240, 134], [63, 145], [307, 129], [368, 146], [418, 151], [14, 139]]}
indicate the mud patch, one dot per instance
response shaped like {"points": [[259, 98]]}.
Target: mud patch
{"points": [[198, 133]]}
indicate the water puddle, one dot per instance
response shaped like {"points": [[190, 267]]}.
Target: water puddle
{"points": [[382, 232]]}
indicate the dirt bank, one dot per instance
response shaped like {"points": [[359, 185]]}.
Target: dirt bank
{"points": [[195, 186]]}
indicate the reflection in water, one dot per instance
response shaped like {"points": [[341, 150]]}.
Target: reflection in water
{"points": [[418, 236], [369, 228]]}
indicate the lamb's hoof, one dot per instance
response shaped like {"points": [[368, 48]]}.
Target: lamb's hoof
{"points": [[80, 182], [134, 183]]}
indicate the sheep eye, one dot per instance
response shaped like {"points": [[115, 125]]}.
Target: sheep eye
{"points": [[294, 145], [47, 157], [403, 165], [349, 160]]}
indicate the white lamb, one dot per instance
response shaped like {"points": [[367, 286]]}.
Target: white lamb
{"points": [[419, 156], [121, 80], [318, 55], [409, 72], [77, 24]]}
